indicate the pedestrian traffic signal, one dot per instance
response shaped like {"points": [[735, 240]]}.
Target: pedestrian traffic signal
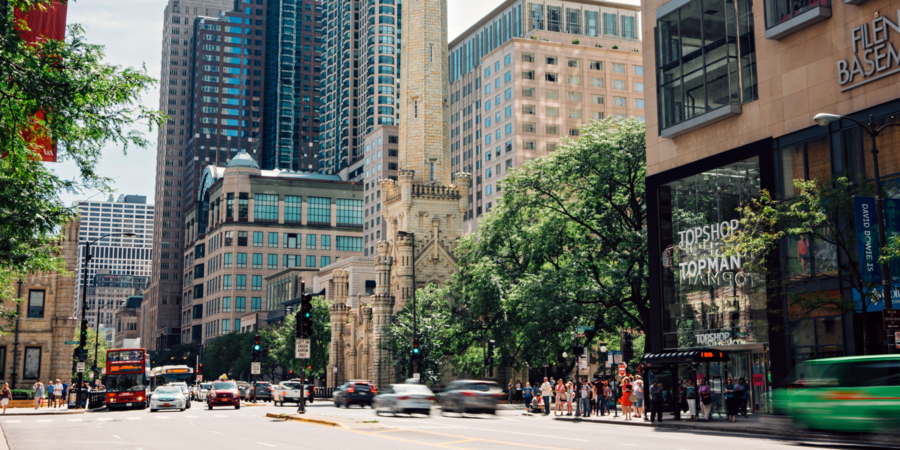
{"points": [[304, 318]]}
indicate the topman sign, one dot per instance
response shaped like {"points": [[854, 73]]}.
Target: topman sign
{"points": [[873, 56]]}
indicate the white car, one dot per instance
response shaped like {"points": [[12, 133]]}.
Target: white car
{"points": [[203, 391], [168, 397], [404, 398]]}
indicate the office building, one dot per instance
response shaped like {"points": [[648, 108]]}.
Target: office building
{"points": [[733, 113], [115, 255], [128, 319], [108, 293], [526, 76], [251, 224]]}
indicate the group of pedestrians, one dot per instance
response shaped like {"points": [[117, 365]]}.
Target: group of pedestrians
{"points": [[56, 393], [581, 397]]}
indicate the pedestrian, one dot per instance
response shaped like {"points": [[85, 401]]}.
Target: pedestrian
{"points": [[594, 393], [585, 399], [570, 396], [627, 397], [552, 383], [560, 398], [526, 392], [518, 390], [705, 399], [614, 396], [50, 396], [691, 396], [58, 392], [604, 398], [730, 400], [66, 391], [656, 402], [511, 388], [38, 388], [5, 396], [742, 392], [546, 393], [639, 396]]}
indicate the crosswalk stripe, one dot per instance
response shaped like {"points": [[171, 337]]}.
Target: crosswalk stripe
{"points": [[45, 420], [163, 418]]}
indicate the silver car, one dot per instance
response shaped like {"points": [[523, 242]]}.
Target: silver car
{"points": [[168, 397], [203, 392], [471, 396], [404, 398]]}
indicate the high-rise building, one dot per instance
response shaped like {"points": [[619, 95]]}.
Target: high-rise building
{"points": [[362, 76], [525, 77], [116, 254], [107, 294], [292, 81]]}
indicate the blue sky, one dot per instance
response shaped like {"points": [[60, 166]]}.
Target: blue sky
{"points": [[131, 31]]}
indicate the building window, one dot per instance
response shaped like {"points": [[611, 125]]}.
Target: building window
{"points": [[310, 261], [528, 127], [619, 101], [551, 60], [257, 261], [229, 238], [226, 325], [326, 242], [574, 80], [257, 238], [265, 207], [574, 96], [596, 115], [293, 207], [528, 109], [240, 305], [574, 113], [639, 87], [349, 214], [255, 304], [683, 94], [528, 145], [527, 74], [242, 239], [551, 94], [243, 205], [596, 65], [553, 129], [639, 103], [527, 92], [618, 68], [32, 363], [597, 99], [326, 261], [551, 111], [226, 260], [574, 131], [639, 70], [349, 244], [272, 262], [241, 260], [240, 282], [527, 57], [319, 211], [256, 283], [36, 304], [597, 82], [573, 62], [273, 240], [551, 77]]}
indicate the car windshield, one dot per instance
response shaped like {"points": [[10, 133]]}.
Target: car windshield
{"points": [[412, 389], [291, 385], [362, 387], [205, 386], [125, 382], [481, 387], [224, 385], [168, 390]]}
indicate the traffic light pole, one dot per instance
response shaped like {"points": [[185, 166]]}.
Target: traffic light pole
{"points": [[301, 407], [83, 341]]}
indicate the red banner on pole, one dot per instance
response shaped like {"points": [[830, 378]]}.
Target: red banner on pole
{"points": [[44, 23]]}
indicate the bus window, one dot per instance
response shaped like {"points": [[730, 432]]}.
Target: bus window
{"points": [[873, 373]]}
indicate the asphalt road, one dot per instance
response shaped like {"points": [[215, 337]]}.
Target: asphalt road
{"points": [[249, 428]]}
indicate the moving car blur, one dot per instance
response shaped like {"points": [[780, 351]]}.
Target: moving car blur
{"points": [[404, 398]]}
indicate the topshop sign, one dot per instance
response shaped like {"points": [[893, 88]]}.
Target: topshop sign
{"points": [[873, 56], [707, 266]]}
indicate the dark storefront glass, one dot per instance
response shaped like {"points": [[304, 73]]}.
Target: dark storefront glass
{"points": [[708, 299]]}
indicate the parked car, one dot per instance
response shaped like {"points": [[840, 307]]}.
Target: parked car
{"points": [[354, 393], [185, 390], [223, 393], [404, 398], [263, 391], [471, 396], [168, 397]]}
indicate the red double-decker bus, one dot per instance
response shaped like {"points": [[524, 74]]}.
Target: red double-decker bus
{"points": [[127, 378]]}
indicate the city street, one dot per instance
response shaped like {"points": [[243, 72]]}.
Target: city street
{"points": [[249, 428]]}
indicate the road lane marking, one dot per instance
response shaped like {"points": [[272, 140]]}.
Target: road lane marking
{"points": [[163, 418], [117, 437], [215, 432], [105, 419], [630, 445], [11, 421], [267, 445], [75, 420], [527, 434], [456, 442], [491, 441], [45, 420]]}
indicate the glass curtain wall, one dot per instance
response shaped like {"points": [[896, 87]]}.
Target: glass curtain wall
{"points": [[709, 299]]}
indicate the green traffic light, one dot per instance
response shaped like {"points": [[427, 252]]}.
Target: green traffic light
{"points": [[255, 347], [415, 350], [307, 315]]}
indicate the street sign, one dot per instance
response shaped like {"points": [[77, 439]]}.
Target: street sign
{"points": [[302, 349], [891, 319], [582, 365], [897, 339], [199, 378], [416, 376], [80, 367], [579, 335], [582, 329], [334, 369], [255, 368], [71, 342], [622, 369]]}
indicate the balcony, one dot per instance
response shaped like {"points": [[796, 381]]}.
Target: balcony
{"points": [[786, 17]]}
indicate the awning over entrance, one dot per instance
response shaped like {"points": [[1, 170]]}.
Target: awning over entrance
{"points": [[692, 356]]}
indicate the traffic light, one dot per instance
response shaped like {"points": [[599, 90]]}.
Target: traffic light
{"points": [[290, 374], [304, 317], [627, 347], [578, 351], [415, 347], [84, 330], [256, 347], [489, 360]]}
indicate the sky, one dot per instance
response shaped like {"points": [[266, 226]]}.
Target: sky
{"points": [[131, 31]]}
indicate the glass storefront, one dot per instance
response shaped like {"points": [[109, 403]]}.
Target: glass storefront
{"points": [[709, 300]]}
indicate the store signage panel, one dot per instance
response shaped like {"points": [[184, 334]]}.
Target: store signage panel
{"points": [[874, 56]]}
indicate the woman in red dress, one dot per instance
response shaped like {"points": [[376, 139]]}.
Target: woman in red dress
{"points": [[627, 390]]}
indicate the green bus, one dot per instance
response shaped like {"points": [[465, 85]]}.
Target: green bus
{"points": [[856, 394]]}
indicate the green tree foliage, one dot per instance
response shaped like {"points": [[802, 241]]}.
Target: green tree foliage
{"points": [[822, 211], [88, 105], [92, 341], [566, 241], [432, 319]]}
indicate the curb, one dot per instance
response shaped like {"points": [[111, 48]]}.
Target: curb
{"points": [[794, 434], [305, 419]]}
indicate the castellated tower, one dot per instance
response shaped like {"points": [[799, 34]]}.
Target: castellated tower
{"points": [[382, 311], [339, 312]]}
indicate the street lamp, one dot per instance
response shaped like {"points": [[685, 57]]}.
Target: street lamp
{"points": [[83, 342], [603, 350], [825, 120]]}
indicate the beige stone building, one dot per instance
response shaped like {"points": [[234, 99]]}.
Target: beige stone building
{"points": [[128, 320], [35, 347], [250, 224]]}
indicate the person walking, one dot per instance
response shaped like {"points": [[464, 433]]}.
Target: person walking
{"points": [[65, 392], [742, 394], [58, 393], [546, 393], [705, 399], [730, 400], [560, 398], [656, 402], [627, 392], [604, 398], [50, 396], [511, 388], [585, 399], [526, 395], [691, 396], [639, 396], [5, 396], [38, 388]]}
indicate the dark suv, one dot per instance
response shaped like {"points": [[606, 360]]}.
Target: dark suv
{"points": [[262, 390], [354, 393]]}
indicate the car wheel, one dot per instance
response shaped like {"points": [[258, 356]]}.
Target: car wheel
{"points": [[153, 410], [238, 406]]}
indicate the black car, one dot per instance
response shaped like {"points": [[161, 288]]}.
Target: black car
{"points": [[354, 393], [263, 391]]}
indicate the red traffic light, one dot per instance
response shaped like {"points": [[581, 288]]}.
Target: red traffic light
{"points": [[309, 368]]}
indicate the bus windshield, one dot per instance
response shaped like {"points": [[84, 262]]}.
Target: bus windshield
{"points": [[125, 382], [124, 355]]}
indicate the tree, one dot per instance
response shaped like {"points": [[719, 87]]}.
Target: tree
{"points": [[92, 342], [566, 242], [87, 105], [822, 211], [432, 317]]}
